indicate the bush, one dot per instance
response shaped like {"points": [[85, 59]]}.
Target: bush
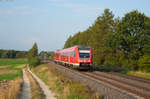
{"points": [[34, 61], [144, 63], [111, 62], [124, 63]]}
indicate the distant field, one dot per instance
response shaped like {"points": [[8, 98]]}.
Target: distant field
{"points": [[11, 68], [12, 62]]}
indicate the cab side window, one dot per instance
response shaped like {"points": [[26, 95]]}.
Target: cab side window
{"points": [[74, 54]]}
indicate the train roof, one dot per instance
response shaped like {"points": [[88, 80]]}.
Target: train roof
{"points": [[73, 47], [82, 46]]}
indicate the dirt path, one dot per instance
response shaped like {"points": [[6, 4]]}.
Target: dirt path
{"points": [[35, 89], [48, 94], [26, 90]]}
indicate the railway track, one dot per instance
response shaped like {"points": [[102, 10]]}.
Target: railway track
{"points": [[127, 80], [130, 87], [123, 85], [144, 80]]}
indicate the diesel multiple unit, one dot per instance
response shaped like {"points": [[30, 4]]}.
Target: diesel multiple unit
{"points": [[76, 57]]}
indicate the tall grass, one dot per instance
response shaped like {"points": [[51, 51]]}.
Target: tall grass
{"points": [[64, 87], [12, 91]]}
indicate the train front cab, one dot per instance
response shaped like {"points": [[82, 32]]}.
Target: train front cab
{"points": [[84, 57]]}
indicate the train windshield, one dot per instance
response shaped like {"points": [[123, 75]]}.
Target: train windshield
{"points": [[84, 54]]}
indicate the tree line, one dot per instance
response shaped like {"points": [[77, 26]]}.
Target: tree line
{"points": [[12, 54], [117, 42], [32, 55], [46, 55]]}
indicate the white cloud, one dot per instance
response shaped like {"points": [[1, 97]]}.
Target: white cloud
{"points": [[74, 6]]}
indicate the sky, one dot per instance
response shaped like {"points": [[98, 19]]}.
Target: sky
{"points": [[50, 22]]}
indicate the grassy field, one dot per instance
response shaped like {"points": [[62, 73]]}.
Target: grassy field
{"points": [[122, 71], [137, 73], [63, 87], [11, 77], [11, 68], [12, 62]]}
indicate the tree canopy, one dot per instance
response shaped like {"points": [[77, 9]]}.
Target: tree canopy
{"points": [[33, 56], [117, 42]]}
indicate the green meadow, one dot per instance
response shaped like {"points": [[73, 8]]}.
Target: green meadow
{"points": [[11, 68]]}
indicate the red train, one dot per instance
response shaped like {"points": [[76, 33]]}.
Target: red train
{"points": [[79, 57]]}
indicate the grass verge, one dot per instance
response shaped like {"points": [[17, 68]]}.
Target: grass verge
{"points": [[123, 71], [63, 87], [137, 73]]}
